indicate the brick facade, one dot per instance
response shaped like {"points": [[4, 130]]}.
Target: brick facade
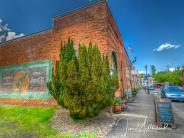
{"points": [[91, 23]]}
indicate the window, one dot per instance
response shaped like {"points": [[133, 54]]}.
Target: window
{"points": [[114, 62]]}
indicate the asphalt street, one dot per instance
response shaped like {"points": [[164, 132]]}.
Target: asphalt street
{"points": [[178, 107]]}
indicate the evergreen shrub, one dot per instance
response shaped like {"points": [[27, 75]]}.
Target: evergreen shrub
{"points": [[81, 81]]}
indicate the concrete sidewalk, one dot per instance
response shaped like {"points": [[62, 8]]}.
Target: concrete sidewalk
{"points": [[138, 121]]}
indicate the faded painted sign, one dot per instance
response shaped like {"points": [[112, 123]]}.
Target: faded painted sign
{"points": [[28, 80]]}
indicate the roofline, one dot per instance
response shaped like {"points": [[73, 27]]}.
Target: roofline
{"points": [[34, 33], [70, 12], [60, 15], [118, 32], [79, 8]]}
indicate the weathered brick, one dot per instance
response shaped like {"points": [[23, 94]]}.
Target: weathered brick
{"points": [[92, 23]]}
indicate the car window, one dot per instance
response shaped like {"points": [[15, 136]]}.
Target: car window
{"points": [[173, 89]]}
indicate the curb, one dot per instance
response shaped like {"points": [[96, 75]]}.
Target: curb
{"points": [[129, 115]]}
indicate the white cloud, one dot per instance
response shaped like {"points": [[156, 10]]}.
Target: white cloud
{"points": [[142, 72], [6, 33], [166, 46], [130, 49], [172, 69], [13, 35]]}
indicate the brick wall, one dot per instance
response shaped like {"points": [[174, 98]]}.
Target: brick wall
{"points": [[92, 23]]}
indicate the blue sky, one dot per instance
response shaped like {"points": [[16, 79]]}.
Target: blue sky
{"points": [[153, 28]]}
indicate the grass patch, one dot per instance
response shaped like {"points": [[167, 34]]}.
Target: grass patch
{"points": [[82, 134], [31, 122], [24, 121]]}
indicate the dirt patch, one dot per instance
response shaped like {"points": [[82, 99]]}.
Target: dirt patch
{"points": [[101, 124]]}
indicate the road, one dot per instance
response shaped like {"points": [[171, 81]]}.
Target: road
{"points": [[178, 107]]}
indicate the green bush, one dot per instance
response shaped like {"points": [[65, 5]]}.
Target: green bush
{"points": [[135, 91], [55, 86], [82, 83], [115, 80], [124, 96], [118, 101]]}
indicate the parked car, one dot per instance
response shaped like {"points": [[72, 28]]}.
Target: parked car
{"points": [[156, 91], [151, 87], [172, 93]]}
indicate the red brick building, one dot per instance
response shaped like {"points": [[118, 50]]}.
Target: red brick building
{"points": [[93, 23]]}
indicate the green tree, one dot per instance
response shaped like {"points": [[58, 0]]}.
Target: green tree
{"points": [[166, 76], [141, 75], [84, 81], [106, 82], [55, 86], [153, 70]]}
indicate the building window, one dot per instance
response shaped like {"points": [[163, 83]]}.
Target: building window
{"points": [[114, 62]]}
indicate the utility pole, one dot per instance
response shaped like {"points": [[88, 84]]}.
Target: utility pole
{"points": [[146, 68], [168, 67], [182, 77]]}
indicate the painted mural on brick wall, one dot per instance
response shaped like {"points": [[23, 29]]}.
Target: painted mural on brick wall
{"points": [[28, 80]]}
